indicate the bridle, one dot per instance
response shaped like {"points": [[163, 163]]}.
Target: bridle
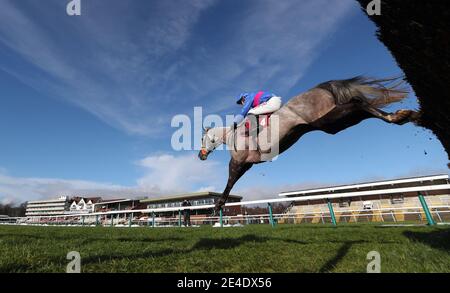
{"points": [[204, 150]]}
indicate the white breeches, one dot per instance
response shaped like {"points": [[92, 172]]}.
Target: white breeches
{"points": [[270, 106]]}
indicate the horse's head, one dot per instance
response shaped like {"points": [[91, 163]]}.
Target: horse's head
{"points": [[210, 141]]}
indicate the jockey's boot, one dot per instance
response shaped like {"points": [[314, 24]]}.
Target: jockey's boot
{"points": [[253, 132], [254, 127]]}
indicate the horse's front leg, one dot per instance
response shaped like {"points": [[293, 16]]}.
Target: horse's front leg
{"points": [[235, 171]]}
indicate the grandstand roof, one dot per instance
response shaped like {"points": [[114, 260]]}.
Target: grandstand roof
{"points": [[114, 201], [191, 195], [374, 185], [86, 199], [59, 200]]}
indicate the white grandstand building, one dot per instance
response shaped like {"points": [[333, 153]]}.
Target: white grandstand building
{"points": [[47, 207], [81, 207], [394, 200]]}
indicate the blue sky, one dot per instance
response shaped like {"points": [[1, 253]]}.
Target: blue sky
{"points": [[87, 101]]}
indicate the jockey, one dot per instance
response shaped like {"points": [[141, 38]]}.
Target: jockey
{"points": [[256, 103]]}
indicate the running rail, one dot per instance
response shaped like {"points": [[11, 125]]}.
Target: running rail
{"points": [[266, 201]]}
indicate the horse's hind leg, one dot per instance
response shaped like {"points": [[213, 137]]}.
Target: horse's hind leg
{"points": [[400, 117]]}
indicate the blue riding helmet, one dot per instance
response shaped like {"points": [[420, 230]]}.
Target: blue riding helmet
{"points": [[240, 97]]}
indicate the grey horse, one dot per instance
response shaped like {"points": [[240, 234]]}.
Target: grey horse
{"points": [[330, 107]]}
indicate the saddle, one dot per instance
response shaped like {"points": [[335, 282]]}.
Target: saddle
{"points": [[262, 122]]}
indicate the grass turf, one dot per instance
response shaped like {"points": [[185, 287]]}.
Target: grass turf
{"points": [[256, 248]]}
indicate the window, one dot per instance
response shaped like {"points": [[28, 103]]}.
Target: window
{"points": [[397, 199], [344, 203], [367, 205]]}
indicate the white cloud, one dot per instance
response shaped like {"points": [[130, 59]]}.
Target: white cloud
{"points": [[162, 174], [172, 30], [206, 188], [17, 189], [169, 173], [106, 71], [137, 76], [271, 47]]}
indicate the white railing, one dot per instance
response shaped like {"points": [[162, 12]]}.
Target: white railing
{"points": [[79, 218], [440, 214]]}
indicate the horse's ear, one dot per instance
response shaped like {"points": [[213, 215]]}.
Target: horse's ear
{"points": [[206, 129]]}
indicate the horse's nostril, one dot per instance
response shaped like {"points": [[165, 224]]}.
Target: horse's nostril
{"points": [[201, 157]]}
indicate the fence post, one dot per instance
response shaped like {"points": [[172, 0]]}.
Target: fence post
{"points": [[179, 218], [153, 220], [330, 207], [129, 221], [96, 220], [82, 220], [271, 215], [112, 220], [437, 214], [221, 218], [430, 220]]}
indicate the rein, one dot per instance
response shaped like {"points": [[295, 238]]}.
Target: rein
{"points": [[225, 141]]}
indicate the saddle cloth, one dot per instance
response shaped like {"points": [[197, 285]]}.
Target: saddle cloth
{"points": [[263, 122]]}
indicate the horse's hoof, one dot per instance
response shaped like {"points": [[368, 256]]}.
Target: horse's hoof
{"points": [[405, 116], [415, 116]]}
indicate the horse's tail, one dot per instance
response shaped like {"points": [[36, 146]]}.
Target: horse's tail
{"points": [[376, 92]]}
